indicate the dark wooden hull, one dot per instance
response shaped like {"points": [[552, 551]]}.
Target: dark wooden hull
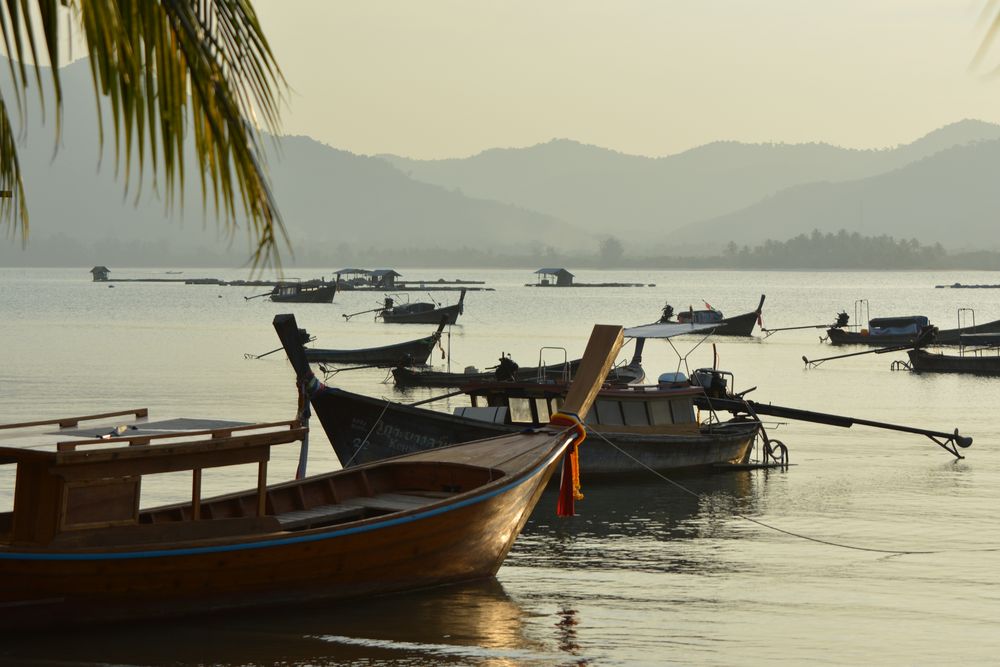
{"points": [[363, 429], [984, 334], [923, 361], [449, 314], [460, 538], [414, 352], [739, 325], [408, 377], [320, 294]]}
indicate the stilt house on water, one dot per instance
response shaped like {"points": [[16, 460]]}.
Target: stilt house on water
{"points": [[100, 273], [556, 277]]}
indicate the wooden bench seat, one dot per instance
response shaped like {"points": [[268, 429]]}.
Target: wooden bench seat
{"points": [[319, 515], [392, 502], [355, 508]]}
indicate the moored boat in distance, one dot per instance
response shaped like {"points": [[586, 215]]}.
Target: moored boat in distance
{"points": [[973, 360], [408, 353], [77, 548], [421, 313], [634, 427], [508, 371], [311, 291], [415, 313], [737, 325], [906, 330]]}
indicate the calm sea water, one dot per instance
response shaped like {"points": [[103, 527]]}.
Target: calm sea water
{"points": [[650, 572]]}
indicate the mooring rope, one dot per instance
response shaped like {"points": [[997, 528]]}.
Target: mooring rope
{"points": [[368, 435], [790, 533]]}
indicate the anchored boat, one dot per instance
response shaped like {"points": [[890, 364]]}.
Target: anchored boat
{"points": [[633, 427], [78, 546]]}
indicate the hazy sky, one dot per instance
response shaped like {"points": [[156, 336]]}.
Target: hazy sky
{"points": [[449, 78]]}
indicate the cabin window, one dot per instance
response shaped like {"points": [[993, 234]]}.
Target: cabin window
{"points": [[609, 413], [520, 410], [682, 410], [659, 412], [635, 413], [542, 406], [556, 404]]}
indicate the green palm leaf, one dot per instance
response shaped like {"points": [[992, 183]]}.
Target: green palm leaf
{"points": [[168, 69]]}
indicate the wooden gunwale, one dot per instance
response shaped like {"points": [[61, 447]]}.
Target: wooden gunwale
{"points": [[473, 497], [216, 433], [140, 413]]}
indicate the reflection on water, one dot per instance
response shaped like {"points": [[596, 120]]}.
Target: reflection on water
{"points": [[646, 573], [629, 524], [475, 623]]}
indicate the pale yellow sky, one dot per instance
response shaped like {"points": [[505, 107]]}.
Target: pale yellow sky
{"points": [[449, 78]]}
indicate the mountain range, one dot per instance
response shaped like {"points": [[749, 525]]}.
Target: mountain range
{"points": [[564, 195]]}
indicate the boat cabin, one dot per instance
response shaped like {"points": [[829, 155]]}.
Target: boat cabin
{"points": [[691, 316], [666, 407], [286, 289], [909, 324]]}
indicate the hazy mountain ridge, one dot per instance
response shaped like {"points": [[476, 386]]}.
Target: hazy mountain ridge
{"points": [[950, 197], [517, 202], [331, 201], [644, 199]]}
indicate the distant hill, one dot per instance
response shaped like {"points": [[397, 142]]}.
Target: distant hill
{"points": [[642, 198], [951, 197], [333, 203], [560, 198]]}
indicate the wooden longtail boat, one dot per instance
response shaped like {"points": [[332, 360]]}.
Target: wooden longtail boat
{"points": [[77, 548], [304, 292], [629, 373], [974, 362], [896, 331], [421, 313], [632, 427], [411, 352], [738, 325]]}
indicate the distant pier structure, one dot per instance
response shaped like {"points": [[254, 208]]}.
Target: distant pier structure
{"points": [[346, 279], [563, 278]]}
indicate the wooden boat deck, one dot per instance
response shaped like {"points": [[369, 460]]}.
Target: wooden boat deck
{"points": [[99, 479]]}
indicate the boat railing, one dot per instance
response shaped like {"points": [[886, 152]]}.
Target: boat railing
{"points": [[145, 439], [565, 374], [66, 422], [964, 315], [99, 488], [862, 313]]}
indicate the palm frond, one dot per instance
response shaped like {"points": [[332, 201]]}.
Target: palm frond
{"points": [[12, 206], [170, 69]]}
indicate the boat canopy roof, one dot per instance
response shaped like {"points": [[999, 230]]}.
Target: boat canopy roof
{"points": [[359, 272], [900, 321], [667, 329]]}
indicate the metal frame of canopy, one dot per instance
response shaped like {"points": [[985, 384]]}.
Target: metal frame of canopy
{"points": [[669, 330]]}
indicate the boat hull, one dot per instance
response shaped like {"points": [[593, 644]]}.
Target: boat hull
{"points": [[449, 314], [922, 361], [321, 294], [363, 429], [738, 325], [440, 544], [986, 334], [408, 377], [414, 352]]}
